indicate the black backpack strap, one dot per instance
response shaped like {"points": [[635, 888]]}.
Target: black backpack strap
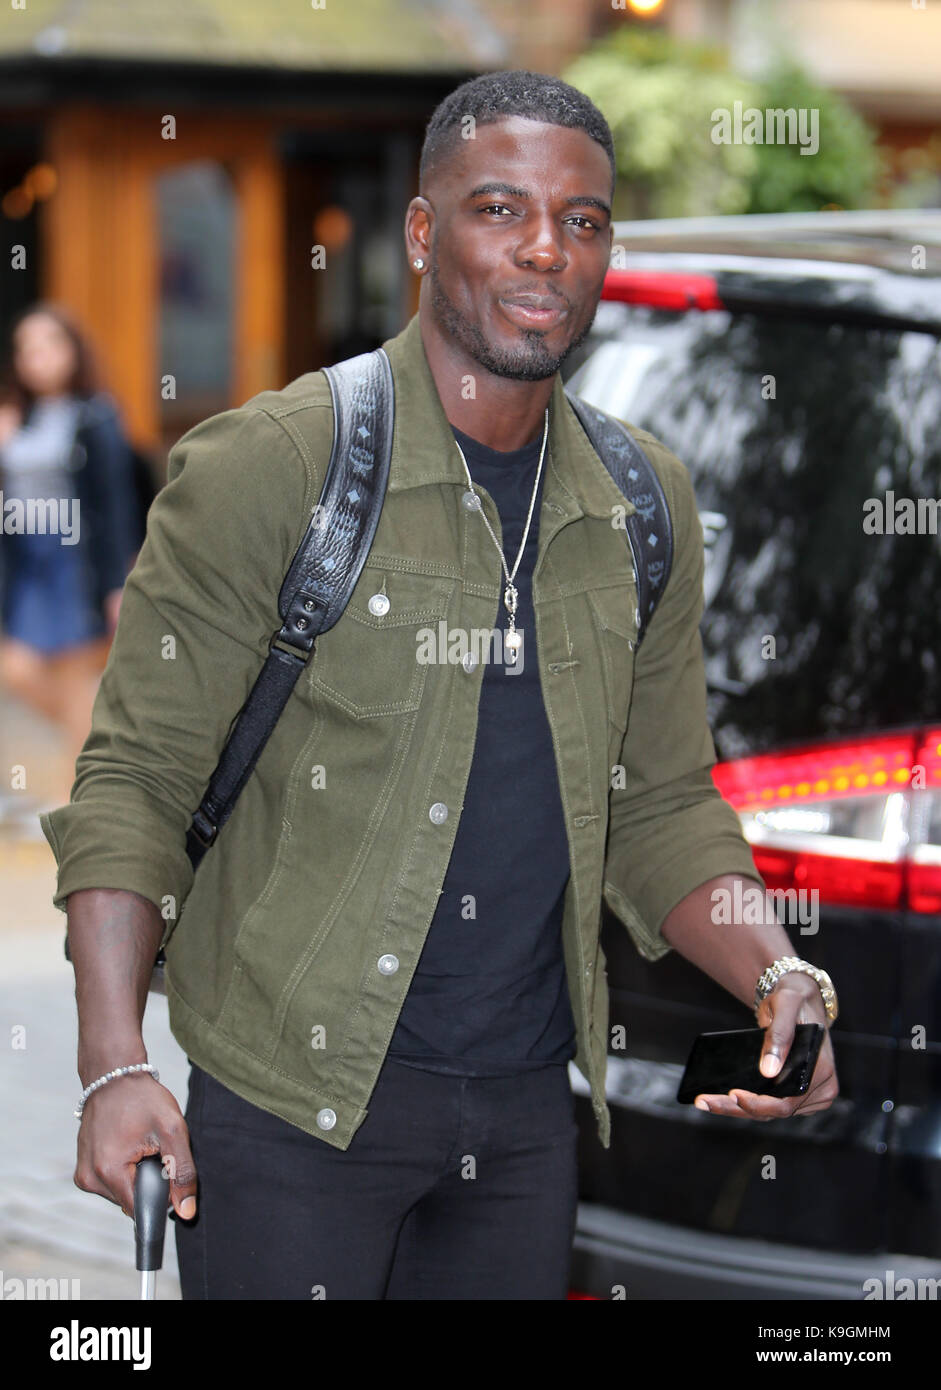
{"points": [[649, 528], [321, 576]]}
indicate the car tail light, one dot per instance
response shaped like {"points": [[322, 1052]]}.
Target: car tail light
{"points": [[858, 820], [662, 289]]}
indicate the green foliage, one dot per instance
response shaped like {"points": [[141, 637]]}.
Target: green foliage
{"points": [[661, 97], [845, 168]]}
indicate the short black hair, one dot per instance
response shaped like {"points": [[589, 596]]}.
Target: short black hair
{"points": [[496, 95]]}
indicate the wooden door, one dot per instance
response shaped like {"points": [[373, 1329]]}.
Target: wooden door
{"points": [[103, 257]]}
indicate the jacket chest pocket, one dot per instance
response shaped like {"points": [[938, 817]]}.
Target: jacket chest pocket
{"points": [[613, 611], [368, 662]]}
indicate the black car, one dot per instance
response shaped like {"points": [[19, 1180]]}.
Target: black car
{"points": [[793, 363]]}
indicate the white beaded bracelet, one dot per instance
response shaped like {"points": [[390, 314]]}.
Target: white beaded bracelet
{"points": [[109, 1076]]}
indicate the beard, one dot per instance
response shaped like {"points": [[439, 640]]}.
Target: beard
{"points": [[531, 360]]}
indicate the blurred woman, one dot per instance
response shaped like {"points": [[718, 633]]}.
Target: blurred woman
{"points": [[61, 439]]}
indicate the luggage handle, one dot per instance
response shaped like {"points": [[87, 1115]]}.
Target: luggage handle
{"points": [[150, 1221]]}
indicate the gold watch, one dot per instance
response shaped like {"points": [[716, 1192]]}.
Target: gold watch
{"points": [[783, 966]]}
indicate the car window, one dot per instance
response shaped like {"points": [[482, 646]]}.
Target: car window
{"points": [[798, 436]]}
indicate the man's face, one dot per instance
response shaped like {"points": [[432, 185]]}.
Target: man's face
{"points": [[520, 246]]}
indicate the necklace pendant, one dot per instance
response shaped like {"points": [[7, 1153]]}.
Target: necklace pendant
{"points": [[512, 641], [509, 598]]}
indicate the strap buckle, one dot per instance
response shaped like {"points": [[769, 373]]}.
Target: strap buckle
{"points": [[204, 829], [277, 641], [299, 617]]}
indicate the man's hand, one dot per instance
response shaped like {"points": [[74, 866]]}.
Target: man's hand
{"points": [[123, 1122], [794, 999], [113, 938]]}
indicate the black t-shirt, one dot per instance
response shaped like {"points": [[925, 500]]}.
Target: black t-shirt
{"points": [[489, 996]]}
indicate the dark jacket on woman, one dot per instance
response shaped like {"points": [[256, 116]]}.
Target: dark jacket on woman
{"points": [[102, 469], [103, 464]]}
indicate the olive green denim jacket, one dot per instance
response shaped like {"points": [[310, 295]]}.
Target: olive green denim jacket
{"points": [[290, 952]]}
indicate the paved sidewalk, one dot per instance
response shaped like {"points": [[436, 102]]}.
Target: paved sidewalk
{"points": [[49, 1229]]}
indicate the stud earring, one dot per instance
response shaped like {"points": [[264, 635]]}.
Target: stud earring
{"points": [[418, 263]]}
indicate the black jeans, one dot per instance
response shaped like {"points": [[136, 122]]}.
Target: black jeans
{"points": [[453, 1187]]}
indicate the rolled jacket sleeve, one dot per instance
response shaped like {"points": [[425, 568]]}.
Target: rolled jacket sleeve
{"points": [[198, 611], [669, 829]]}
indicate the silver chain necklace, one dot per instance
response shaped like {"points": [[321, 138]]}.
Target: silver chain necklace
{"points": [[514, 639]]}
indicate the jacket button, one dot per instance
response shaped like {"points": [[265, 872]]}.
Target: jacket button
{"points": [[379, 604], [471, 501], [326, 1119], [469, 661], [438, 812], [388, 965]]}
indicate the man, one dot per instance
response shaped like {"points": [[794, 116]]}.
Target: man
{"points": [[391, 954]]}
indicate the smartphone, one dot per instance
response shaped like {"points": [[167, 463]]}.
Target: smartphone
{"points": [[721, 1062]]}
